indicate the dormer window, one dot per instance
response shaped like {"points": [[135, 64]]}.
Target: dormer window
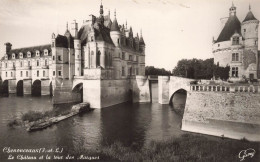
{"points": [[13, 56], [37, 53], [21, 55], [29, 54], [235, 41], [45, 52]]}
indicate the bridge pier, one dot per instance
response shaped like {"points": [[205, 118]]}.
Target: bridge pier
{"points": [[163, 89], [12, 86], [27, 86], [45, 87]]}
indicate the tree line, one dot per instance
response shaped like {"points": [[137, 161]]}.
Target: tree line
{"points": [[200, 69]]}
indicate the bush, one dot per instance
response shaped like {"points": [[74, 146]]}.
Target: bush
{"points": [[12, 123], [32, 116]]}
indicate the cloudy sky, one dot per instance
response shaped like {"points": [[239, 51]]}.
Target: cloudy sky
{"points": [[172, 29]]}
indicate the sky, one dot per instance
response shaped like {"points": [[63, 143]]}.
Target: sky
{"points": [[172, 29]]}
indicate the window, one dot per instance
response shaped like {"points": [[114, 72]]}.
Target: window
{"points": [[137, 71], [26, 73], [37, 63], [21, 73], [110, 59], [255, 42], [6, 74], [45, 52], [123, 56], [98, 58], [235, 57], [37, 53], [37, 73], [59, 73], [13, 64], [29, 63], [28, 54], [123, 71], [43, 73], [21, 64], [21, 55], [234, 71], [5, 65], [130, 57], [218, 45], [244, 30], [53, 73], [92, 39], [53, 57], [235, 41], [13, 56], [59, 58], [118, 41], [46, 62], [130, 71], [11, 74], [137, 59], [52, 44], [6, 57]]}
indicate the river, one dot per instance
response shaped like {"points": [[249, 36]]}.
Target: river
{"points": [[127, 123]]}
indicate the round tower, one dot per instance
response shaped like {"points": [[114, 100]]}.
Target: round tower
{"points": [[249, 30], [115, 32], [77, 47]]}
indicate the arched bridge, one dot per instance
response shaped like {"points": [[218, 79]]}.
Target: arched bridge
{"points": [[168, 85]]}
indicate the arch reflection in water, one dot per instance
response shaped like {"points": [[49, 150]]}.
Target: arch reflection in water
{"points": [[19, 88], [178, 101], [36, 88]]}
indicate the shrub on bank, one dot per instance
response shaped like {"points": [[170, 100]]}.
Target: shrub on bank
{"points": [[188, 148]]}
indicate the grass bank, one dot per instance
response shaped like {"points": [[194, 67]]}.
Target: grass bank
{"points": [[187, 148]]}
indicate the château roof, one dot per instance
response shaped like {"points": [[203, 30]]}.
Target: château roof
{"points": [[32, 49], [249, 16], [232, 25], [101, 33], [64, 41], [114, 26]]}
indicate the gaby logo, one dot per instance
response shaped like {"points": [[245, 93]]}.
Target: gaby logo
{"points": [[246, 153]]}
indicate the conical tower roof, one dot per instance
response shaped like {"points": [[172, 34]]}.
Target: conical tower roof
{"points": [[249, 16], [114, 26]]}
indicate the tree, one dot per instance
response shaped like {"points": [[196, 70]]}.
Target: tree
{"points": [[151, 70], [200, 69]]}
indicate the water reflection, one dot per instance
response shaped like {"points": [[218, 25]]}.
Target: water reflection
{"points": [[130, 124]]}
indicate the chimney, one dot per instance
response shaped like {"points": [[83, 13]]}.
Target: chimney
{"points": [[8, 47]]}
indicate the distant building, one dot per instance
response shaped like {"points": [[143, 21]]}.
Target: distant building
{"points": [[237, 46], [100, 49]]}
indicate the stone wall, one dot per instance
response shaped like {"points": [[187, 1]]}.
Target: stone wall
{"points": [[27, 86], [63, 93], [140, 88], [234, 115]]}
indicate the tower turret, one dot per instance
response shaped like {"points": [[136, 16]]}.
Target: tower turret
{"points": [[249, 30], [74, 29], [115, 32], [78, 59], [232, 10], [141, 43]]}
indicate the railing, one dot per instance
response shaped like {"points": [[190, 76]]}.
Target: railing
{"points": [[225, 88]]}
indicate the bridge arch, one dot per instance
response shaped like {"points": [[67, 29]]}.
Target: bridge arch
{"points": [[19, 88], [79, 89], [178, 101], [36, 88]]}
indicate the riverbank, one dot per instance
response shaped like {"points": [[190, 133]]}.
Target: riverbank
{"points": [[187, 148]]}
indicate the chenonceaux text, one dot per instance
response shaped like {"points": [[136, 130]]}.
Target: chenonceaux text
{"points": [[36, 150]]}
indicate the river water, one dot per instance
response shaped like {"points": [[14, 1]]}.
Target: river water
{"points": [[127, 123]]}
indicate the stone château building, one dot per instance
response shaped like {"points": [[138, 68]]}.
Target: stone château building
{"points": [[101, 49], [237, 46]]}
